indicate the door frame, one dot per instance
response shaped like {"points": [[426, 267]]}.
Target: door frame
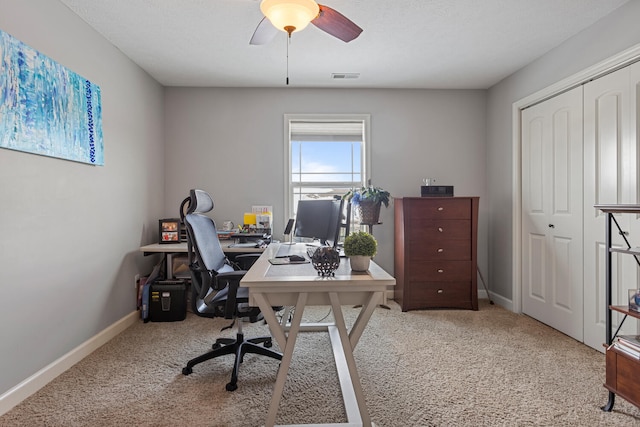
{"points": [[606, 66]]}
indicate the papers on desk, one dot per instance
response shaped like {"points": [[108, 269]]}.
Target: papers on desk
{"points": [[284, 261]]}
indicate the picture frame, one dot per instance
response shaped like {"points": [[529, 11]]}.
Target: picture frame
{"points": [[169, 230]]}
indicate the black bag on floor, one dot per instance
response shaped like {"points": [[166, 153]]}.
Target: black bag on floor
{"points": [[167, 301]]}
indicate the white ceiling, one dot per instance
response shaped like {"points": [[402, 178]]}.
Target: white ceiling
{"points": [[452, 44]]}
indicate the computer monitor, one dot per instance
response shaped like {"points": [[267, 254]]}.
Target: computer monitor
{"points": [[319, 219]]}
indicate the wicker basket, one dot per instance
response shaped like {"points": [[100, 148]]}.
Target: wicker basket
{"points": [[369, 212]]}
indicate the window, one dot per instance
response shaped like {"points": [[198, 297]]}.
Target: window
{"points": [[327, 155]]}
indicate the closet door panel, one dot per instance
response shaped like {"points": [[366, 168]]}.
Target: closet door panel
{"points": [[536, 261], [608, 147], [610, 177], [552, 212], [536, 172], [562, 167]]}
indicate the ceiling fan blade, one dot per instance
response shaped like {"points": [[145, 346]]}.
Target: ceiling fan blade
{"points": [[264, 33], [336, 24]]}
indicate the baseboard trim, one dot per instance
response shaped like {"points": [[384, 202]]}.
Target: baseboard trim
{"points": [[498, 299], [47, 374]]}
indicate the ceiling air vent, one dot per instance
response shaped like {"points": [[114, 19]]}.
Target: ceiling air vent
{"points": [[344, 76]]}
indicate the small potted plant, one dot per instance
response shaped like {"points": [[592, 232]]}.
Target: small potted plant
{"points": [[360, 247], [368, 201]]}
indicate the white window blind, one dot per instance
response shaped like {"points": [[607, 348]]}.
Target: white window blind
{"points": [[326, 156]]}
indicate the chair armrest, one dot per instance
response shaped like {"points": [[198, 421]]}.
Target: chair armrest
{"points": [[245, 261], [232, 281]]}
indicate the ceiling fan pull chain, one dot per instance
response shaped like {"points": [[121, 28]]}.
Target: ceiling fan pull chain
{"points": [[288, 43]]}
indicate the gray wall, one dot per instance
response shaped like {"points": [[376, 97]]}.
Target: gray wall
{"points": [[607, 37], [71, 231], [230, 142]]}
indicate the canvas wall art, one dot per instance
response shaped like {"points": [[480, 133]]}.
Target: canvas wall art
{"points": [[45, 108]]}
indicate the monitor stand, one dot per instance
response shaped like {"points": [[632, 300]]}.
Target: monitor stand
{"points": [[290, 242]]}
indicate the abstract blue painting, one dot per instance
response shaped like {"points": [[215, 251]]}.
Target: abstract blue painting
{"points": [[46, 108]]}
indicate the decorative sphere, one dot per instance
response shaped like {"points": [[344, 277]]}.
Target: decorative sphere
{"points": [[325, 259]]}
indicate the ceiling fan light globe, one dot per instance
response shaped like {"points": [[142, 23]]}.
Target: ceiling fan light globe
{"points": [[290, 13]]}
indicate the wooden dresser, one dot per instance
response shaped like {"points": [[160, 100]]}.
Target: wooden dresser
{"points": [[436, 252]]}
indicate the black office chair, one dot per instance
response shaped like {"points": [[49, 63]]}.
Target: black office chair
{"points": [[215, 290]]}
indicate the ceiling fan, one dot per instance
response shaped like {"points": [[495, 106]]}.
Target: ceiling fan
{"points": [[294, 15]]}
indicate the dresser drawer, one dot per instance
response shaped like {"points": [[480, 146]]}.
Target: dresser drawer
{"points": [[440, 208], [441, 271], [434, 250], [440, 230], [438, 295]]}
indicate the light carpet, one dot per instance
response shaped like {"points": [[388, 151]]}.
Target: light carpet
{"points": [[421, 368]]}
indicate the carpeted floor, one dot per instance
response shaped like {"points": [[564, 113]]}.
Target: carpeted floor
{"points": [[420, 368]]}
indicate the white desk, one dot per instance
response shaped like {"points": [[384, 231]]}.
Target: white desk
{"points": [[169, 249], [299, 285]]}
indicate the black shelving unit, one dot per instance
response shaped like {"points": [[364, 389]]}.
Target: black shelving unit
{"points": [[618, 364]]}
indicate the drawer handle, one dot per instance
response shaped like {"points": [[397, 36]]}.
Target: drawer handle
{"points": [[440, 250], [440, 270], [440, 229], [440, 291], [440, 208]]}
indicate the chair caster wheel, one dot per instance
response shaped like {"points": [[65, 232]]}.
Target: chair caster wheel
{"points": [[231, 386], [268, 344], [187, 370], [216, 346]]}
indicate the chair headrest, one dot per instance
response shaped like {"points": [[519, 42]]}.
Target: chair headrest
{"points": [[200, 202]]}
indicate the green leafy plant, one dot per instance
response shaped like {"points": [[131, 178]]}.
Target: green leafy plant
{"points": [[370, 193], [360, 243]]}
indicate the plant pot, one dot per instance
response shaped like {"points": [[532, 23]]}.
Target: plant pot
{"points": [[369, 212], [359, 262]]}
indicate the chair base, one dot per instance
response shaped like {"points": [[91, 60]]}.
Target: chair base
{"points": [[239, 347]]}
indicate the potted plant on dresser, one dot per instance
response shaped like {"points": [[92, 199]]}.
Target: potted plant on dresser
{"points": [[360, 247], [367, 200]]}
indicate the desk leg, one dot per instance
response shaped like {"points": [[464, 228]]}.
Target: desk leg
{"points": [[277, 332], [349, 341], [363, 317], [289, 342]]}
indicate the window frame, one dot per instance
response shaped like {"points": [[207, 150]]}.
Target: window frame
{"points": [[365, 154]]}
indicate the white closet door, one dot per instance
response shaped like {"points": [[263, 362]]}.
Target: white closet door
{"points": [[552, 253], [611, 177]]}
